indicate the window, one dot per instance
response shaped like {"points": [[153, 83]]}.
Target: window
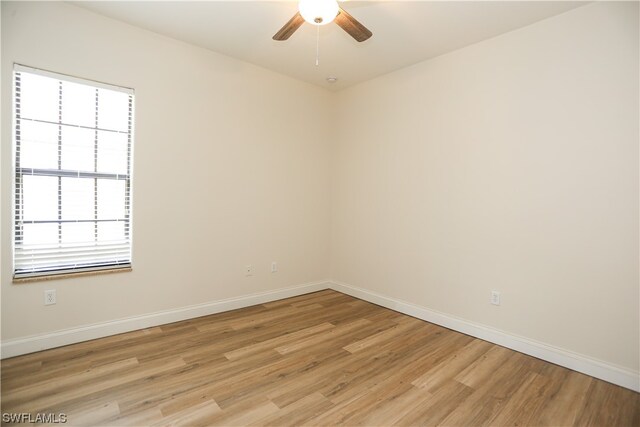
{"points": [[73, 141]]}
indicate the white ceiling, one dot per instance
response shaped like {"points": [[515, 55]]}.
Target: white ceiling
{"points": [[404, 32]]}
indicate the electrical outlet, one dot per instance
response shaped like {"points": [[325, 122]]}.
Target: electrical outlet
{"points": [[274, 267], [248, 270], [50, 297], [495, 298]]}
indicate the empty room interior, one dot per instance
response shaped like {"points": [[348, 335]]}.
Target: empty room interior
{"points": [[320, 213]]}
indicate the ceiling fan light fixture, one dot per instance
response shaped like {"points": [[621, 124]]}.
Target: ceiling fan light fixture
{"points": [[318, 12]]}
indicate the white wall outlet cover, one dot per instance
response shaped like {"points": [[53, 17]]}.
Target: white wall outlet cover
{"points": [[50, 297], [495, 298]]}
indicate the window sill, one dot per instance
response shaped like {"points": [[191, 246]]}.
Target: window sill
{"points": [[70, 275]]}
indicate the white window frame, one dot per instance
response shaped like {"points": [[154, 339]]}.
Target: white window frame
{"points": [[71, 267]]}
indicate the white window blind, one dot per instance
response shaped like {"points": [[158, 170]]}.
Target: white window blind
{"points": [[73, 161]]}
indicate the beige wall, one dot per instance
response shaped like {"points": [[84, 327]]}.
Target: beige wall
{"points": [[226, 171], [509, 165]]}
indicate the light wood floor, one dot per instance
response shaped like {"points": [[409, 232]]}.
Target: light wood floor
{"points": [[318, 359]]}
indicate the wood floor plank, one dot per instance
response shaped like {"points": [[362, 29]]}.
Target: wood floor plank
{"points": [[45, 400], [191, 416], [391, 410], [522, 406], [432, 411], [328, 335], [247, 415], [262, 378], [452, 365], [478, 371], [380, 337], [49, 386], [564, 406], [242, 413], [490, 396], [606, 405], [320, 359], [147, 417], [297, 413], [387, 365], [269, 316], [277, 341], [164, 387], [95, 415], [353, 409]]}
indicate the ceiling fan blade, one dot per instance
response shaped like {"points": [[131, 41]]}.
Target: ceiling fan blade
{"points": [[351, 25], [289, 28]]}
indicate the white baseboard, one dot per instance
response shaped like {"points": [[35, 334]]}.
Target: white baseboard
{"points": [[16, 347], [577, 362]]}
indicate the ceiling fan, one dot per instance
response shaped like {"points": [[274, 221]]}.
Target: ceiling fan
{"points": [[322, 12]]}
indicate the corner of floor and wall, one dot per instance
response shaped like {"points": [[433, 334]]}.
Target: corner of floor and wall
{"points": [[510, 165]]}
